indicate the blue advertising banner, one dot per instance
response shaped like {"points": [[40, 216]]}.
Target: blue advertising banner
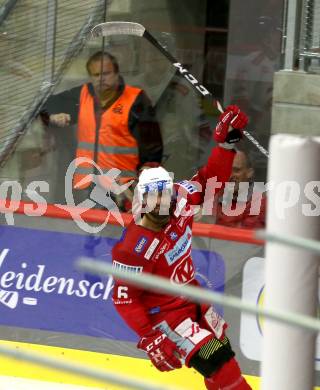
{"points": [[40, 289]]}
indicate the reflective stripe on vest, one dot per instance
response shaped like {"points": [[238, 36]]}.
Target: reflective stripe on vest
{"points": [[117, 148], [109, 149], [85, 171]]}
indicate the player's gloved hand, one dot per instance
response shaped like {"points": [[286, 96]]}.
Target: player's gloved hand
{"points": [[230, 127], [163, 353], [211, 320]]}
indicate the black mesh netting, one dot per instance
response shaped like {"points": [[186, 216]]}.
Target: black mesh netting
{"points": [[38, 40]]}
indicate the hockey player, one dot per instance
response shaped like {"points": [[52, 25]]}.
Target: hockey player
{"points": [[172, 330]]}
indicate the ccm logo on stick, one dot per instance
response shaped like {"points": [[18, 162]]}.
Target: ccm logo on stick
{"points": [[192, 79]]}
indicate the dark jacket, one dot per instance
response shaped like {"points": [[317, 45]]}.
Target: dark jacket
{"points": [[141, 122]]}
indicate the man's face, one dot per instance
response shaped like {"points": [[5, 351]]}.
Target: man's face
{"points": [[240, 170], [103, 76], [157, 205]]}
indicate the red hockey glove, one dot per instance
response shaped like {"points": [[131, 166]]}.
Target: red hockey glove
{"points": [[230, 126], [163, 353]]}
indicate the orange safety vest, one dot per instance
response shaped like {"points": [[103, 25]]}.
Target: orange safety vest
{"points": [[117, 148]]}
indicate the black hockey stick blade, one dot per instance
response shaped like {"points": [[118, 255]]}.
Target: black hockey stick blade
{"points": [[129, 28]]}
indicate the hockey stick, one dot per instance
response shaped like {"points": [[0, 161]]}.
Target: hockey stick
{"points": [[136, 29]]}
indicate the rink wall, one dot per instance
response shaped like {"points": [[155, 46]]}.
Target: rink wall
{"points": [[47, 305]]}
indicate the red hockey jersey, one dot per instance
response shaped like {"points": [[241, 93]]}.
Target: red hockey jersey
{"points": [[166, 253]]}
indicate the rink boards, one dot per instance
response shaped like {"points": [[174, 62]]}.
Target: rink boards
{"points": [[49, 306], [138, 368]]}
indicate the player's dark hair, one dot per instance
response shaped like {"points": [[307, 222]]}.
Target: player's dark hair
{"points": [[99, 56]]}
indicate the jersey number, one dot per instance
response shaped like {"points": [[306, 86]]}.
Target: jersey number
{"points": [[122, 292]]}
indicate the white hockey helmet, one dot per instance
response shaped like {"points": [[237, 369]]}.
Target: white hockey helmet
{"points": [[154, 180]]}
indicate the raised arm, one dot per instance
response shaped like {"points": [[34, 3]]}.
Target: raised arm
{"points": [[227, 133], [219, 165]]}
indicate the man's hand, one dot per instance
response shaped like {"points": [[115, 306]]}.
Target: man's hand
{"points": [[163, 353], [230, 126], [60, 120]]}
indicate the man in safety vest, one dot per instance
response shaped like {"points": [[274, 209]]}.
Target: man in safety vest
{"points": [[116, 123]]}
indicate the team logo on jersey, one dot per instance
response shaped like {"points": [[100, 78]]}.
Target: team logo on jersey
{"points": [[167, 228], [181, 247], [184, 272], [151, 248], [125, 267], [191, 188], [182, 222], [173, 236], [155, 310], [161, 250], [140, 245]]}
